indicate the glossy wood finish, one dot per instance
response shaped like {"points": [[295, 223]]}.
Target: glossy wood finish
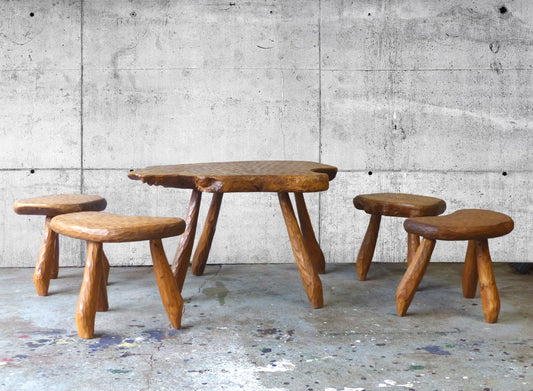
{"points": [[396, 205], [470, 277], [47, 266], [464, 224], [247, 176], [108, 227], [366, 252], [412, 277], [413, 241], [204, 244], [184, 250], [399, 204], [57, 204], [168, 287], [90, 288], [313, 248], [487, 283], [474, 225], [310, 279], [47, 261], [97, 228], [251, 176]]}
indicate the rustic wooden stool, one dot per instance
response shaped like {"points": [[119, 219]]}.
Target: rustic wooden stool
{"points": [[474, 225], [99, 227], [397, 205], [53, 205]]}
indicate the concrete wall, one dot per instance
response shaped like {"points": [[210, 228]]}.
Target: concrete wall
{"points": [[429, 97]]}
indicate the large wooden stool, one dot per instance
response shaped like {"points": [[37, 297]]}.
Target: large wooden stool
{"points": [[99, 227], [391, 204], [474, 225], [53, 205]]}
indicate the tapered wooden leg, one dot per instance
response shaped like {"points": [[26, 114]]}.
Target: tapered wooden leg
{"points": [[366, 252], [183, 253], [102, 304], [90, 288], [201, 254], [313, 248], [470, 271], [487, 284], [45, 262], [107, 267], [168, 287], [55, 264], [310, 279], [412, 277], [413, 241]]}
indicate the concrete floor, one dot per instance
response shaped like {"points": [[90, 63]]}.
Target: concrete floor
{"points": [[250, 327]]}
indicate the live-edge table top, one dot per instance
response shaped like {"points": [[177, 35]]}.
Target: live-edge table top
{"points": [[242, 176]]}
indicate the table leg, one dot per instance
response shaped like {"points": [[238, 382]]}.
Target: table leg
{"points": [[45, 262], [183, 253], [201, 254], [313, 248], [310, 279]]}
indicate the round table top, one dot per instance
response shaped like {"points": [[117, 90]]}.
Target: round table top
{"points": [[243, 176]]}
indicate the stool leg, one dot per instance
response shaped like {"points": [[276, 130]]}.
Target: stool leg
{"points": [[313, 248], [412, 277], [470, 277], [102, 304], [90, 288], [487, 284], [45, 262], [366, 252], [55, 264], [183, 253], [310, 279], [413, 241], [105, 263], [201, 254], [168, 286]]}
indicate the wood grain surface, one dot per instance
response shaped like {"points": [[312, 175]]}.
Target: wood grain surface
{"points": [[464, 224], [108, 227], [245, 176], [399, 204], [56, 204]]}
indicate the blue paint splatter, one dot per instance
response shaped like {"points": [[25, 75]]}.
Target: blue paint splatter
{"points": [[434, 349], [105, 342], [158, 335]]}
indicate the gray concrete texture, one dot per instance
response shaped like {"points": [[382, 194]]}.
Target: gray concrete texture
{"points": [[250, 327], [432, 97]]}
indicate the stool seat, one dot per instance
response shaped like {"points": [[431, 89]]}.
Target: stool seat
{"points": [[399, 204], [465, 224], [56, 204], [107, 227]]}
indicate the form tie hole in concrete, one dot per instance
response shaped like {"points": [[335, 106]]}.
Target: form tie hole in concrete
{"points": [[32, 171], [370, 173], [32, 14], [504, 173], [133, 14], [503, 10]]}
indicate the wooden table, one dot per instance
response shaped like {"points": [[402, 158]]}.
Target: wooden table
{"points": [[282, 177]]}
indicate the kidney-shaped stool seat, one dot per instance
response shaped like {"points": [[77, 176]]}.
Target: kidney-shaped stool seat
{"points": [[99, 227], [474, 225]]}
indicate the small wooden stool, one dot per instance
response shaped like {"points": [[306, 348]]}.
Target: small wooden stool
{"points": [[391, 204], [99, 227], [474, 225], [53, 205]]}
